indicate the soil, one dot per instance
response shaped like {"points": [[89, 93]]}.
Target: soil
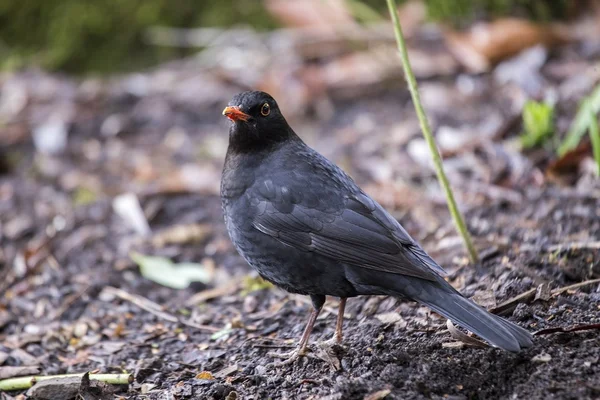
{"points": [[63, 245]]}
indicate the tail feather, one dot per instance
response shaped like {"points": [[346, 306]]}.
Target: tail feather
{"points": [[496, 330], [441, 297]]}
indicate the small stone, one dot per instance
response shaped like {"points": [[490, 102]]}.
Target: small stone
{"points": [[542, 358], [260, 370], [56, 388], [80, 329]]}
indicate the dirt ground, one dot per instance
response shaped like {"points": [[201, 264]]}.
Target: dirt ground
{"points": [[74, 301]]}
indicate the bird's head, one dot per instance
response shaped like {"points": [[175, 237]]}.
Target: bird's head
{"points": [[256, 121]]}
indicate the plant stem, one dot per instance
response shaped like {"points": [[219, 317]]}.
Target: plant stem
{"points": [[25, 382], [595, 138], [437, 159]]}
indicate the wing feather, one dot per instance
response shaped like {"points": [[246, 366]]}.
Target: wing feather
{"points": [[361, 233]]}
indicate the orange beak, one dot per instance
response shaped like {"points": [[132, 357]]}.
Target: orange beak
{"points": [[235, 114]]}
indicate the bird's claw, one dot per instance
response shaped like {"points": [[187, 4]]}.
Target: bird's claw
{"points": [[288, 357], [334, 341]]}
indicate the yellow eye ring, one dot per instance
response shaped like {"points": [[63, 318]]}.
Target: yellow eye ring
{"points": [[265, 110]]}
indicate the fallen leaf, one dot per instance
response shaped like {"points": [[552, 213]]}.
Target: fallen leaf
{"points": [[314, 14], [463, 337], [391, 318], [487, 43], [567, 165], [164, 272], [181, 234], [10, 372], [226, 371], [485, 298], [222, 333], [379, 395], [543, 292], [205, 375]]}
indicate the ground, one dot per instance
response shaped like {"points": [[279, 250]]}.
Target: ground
{"points": [[67, 302]]}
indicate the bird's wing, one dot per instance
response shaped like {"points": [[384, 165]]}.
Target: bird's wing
{"points": [[356, 230]]}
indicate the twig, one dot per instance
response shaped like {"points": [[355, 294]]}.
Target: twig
{"points": [[559, 329], [561, 290], [573, 246], [154, 308], [201, 327], [510, 304], [528, 296], [141, 302], [26, 382], [437, 160], [209, 294]]}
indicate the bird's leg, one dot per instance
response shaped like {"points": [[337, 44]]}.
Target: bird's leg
{"points": [[340, 321], [300, 351], [338, 335]]}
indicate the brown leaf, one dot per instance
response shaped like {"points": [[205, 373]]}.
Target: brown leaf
{"points": [[463, 337], [487, 43], [181, 234], [10, 372], [391, 318], [205, 375], [543, 292], [314, 14], [378, 395], [485, 298], [565, 168], [222, 373]]}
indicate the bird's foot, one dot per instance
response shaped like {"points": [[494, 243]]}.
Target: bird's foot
{"points": [[328, 351], [288, 357], [334, 341]]}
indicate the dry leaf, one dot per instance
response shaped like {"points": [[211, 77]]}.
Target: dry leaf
{"points": [[391, 318], [487, 43], [378, 395], [10, 372], [463, 337], [205, 375], [485, 298], [566, 167], [322, 15]]}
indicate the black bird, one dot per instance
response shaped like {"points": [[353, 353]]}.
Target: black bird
{"points": [[305, 226]]}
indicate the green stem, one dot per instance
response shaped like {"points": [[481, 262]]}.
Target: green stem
{"points": [[595, 138], [25, 382], [437, 160]]}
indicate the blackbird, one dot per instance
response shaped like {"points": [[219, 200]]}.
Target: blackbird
{"points": [[305, 226]]}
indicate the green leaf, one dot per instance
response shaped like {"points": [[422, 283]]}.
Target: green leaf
{"points": [[580, 124], [538, 122], [595, 138], [162, 271], [222, 333]]}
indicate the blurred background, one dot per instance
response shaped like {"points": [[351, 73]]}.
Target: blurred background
{"points": [[112, 143]]}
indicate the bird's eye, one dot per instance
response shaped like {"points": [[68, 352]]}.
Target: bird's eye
{"points": [[265, 109]]}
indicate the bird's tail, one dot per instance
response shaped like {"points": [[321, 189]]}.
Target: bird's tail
{"points": [[443, 299], [496, 330]]}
